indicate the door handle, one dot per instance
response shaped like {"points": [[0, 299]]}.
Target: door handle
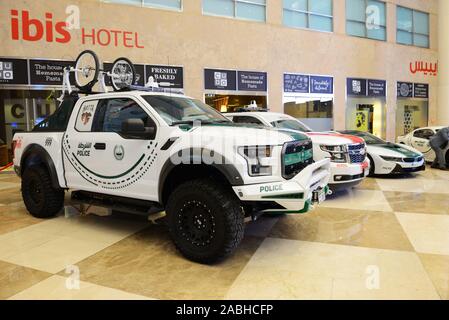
{"points": [[100, 146]]}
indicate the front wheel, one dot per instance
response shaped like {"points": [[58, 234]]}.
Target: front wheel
{"points": [[39, 196], [205, 220]]}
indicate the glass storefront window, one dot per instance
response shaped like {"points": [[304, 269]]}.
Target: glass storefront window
{"points": [[243, 9], [233, 103], [316, 112], [411, 114], [366, 19], [412, 27], [309, 14], [367, 114], [23, 109], [165, 4]]}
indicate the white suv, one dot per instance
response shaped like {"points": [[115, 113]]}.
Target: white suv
{"points": [[349, 164]]}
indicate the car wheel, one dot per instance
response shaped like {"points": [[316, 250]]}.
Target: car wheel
{"points": [[39, 196], [205, 220]]}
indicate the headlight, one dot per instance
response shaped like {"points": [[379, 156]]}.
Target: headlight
{"points": [[392, 159], [255, 157], [338, 153]]}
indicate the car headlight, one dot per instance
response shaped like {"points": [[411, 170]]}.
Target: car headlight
{"points": [[337, 153], [392, 159], [256, 157]]}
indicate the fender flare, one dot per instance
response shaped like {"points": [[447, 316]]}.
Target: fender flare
{"points": [[38, 151], [228, 170]]}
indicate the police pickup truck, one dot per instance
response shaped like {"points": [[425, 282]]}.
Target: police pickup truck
{"points": [[141, 151]]}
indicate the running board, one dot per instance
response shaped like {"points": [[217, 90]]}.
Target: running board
{"points": [[122, 204]]}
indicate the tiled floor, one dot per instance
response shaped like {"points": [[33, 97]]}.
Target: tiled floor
{"points": [[386, 239]]}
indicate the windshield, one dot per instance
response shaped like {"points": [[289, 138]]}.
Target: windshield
{"points": [[368, 137], [180, 110], [291, 124]]}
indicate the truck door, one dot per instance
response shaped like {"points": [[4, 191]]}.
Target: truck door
{"points": [[99, 158]]}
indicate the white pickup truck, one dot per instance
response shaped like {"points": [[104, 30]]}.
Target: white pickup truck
{"points": [[138, 151], [349, 164]]}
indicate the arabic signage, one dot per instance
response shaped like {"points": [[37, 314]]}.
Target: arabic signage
{"points": [[140, 74], [301, 83], [319, 84], [172, 77], [421, 90], [48, 72], [252, 81], [13, 71], [426, 68], [405, 90], [366, 87]]}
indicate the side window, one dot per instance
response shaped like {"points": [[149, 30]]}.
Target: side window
{"points": [[246, 119], [85, 116], [112, 112]]}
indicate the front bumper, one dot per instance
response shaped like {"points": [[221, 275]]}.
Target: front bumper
{"points": [[348, 173], [290, 196], [401, 167]]}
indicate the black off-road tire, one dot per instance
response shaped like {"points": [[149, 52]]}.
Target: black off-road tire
{"points": [[39, 196], [205, 220], [372, 168]]}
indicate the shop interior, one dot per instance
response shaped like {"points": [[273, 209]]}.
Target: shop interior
{"points": [[315, 111], [411, 114], [235, 103], [20, 110], [367, 114]]}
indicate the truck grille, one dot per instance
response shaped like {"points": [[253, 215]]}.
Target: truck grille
{"points": [[296, 155], [357, 153]]}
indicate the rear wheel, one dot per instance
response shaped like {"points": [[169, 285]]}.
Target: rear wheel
{"points": [[205, 220], [39, 196]]}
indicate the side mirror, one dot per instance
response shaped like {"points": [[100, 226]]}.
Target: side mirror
{"points": [[135, 129]]}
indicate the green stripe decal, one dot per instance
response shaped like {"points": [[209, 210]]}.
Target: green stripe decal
{"points": [[111, 177], [298, 157], [286, 196], [401, 150]]}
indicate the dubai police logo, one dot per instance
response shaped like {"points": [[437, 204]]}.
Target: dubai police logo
{"points": [[119, 152]]}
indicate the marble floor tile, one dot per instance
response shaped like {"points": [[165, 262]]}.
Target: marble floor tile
{"points": [[56, 288], [14, 278], [343, 272], [368, 184], [427, 233], [372, 200], [414, 185], [10, 196], [54, 244], [13, 218], [437, 266], [418, 202], [345, 226], [262, 226], [148, 264], [9, 185]]}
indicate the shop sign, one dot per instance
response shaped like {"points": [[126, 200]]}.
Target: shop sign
{"points": [[421, 90], [377, 88], [13, 71], [48, 72], [356, 87], [427, 68], [252, 81], [320, 84], [405, 90], [215, 79], [166, 74], [296, 83], [140, 74]]}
